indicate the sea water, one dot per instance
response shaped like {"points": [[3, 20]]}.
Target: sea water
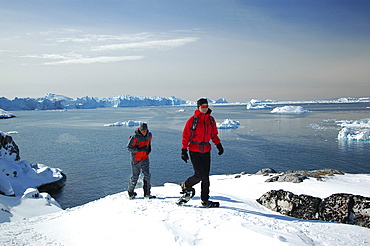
{"points": [[96, 161]]}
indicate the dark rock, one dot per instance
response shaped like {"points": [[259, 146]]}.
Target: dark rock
{"points": [[266, 171], [54, 186], [361, 211], [336, 208], [10, 147], [306, 207], [288, 177], [287, 203], [340, 208]]}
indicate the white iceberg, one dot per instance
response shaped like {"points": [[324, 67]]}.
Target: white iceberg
{"points": [[256, 104], [356, 130], [125, 123], [228, 124], [289, 110]]}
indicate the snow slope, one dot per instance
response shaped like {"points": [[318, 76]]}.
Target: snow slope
{"points": [[116, 220]]}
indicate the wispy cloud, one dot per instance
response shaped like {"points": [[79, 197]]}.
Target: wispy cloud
{"points": [[59, 59], [90, 60], [75, 47], [147, 45]]}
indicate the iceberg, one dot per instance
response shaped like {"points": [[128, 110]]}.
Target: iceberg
{"points": [[356, 130], [251, 105], [289, 110], [125, 123], [57, 102], [228, 124]]}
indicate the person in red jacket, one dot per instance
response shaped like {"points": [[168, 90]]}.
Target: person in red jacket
{"points": [[139, 145], [198, 131]]}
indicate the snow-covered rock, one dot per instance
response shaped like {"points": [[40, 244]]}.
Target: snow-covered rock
{"points": [[18, 176], [5, 114]]}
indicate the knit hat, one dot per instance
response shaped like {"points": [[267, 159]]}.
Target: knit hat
{"points": [[143, 126], [202, 101]]}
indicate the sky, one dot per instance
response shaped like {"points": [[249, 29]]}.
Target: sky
{"points": [[233, 49]]}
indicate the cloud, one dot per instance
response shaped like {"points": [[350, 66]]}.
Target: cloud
{"points": [[155, 44], [71, 46], [90, 60]]}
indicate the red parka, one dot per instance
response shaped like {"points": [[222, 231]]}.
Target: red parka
{"points": [[205, 131], [139, 145]]}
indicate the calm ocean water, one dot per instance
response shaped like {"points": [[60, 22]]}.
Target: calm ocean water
{"points": [[96, 161]]}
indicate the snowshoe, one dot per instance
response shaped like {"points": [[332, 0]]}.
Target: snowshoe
{"points": [[132, 195], [187, 194], [210, 204]]}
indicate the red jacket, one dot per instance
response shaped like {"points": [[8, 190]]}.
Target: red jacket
{"points": [[139, 145], [205, 131]]}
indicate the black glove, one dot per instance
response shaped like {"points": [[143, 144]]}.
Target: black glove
{"points": [[220, 149], [184, 155]]}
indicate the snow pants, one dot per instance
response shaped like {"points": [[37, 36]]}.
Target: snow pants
{"points": [[202, 165], [136, 167]]}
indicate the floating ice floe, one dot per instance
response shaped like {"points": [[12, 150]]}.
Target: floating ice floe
{"points": [[228, 124], [357, 130], [289, 110], [125, 123], [252, 105]]}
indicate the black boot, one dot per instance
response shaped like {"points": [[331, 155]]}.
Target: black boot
{"points": [[132, 195]]}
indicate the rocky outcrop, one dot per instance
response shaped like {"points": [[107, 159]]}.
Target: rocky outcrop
{"points": [[340, 208], [8, 149], [17, 175], [297, 176]]}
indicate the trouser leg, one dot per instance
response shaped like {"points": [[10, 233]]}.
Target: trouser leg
{"points": [[146, 173], [135, 167], [201, 164]]}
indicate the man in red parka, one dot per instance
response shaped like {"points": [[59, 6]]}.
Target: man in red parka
{"points": [[198, 131]]}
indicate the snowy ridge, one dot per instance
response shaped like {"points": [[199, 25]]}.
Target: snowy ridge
{"points": [[116, 220]]}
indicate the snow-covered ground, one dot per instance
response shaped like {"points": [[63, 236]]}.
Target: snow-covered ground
{"points": [[240, 220]]}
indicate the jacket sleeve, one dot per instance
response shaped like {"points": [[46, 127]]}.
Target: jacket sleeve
{"points": [[131, 145], [186, 133], [214, 134]]}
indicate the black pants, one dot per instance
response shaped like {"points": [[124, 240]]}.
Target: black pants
{"points": [[202, 165]]}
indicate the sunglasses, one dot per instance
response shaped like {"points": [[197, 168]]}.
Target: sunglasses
{"points": [[203, 106]]}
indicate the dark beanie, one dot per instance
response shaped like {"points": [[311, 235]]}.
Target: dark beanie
{"points": [[202, 101], [143, 126]]}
